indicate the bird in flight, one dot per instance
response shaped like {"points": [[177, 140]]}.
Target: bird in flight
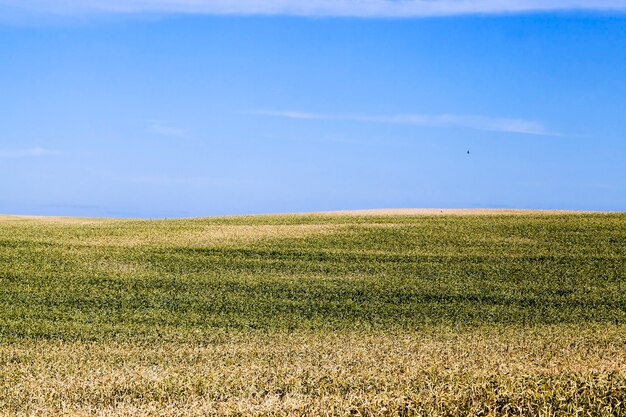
{"points": [[468, 152]]}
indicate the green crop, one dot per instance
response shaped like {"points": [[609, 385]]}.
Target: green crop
{"points": [[521, 314]]}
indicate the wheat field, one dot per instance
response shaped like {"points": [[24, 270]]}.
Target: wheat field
{"points": [[371, 313]]}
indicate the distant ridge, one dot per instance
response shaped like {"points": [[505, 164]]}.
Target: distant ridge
{"points": [[448, 211], [363, 212]]}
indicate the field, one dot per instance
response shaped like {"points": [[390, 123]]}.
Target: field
{"points": [[371, 313]]}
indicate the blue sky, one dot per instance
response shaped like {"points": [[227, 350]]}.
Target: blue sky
{"points": [[192, 108]]}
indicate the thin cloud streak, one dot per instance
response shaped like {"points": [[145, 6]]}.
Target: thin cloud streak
{"points": [[165, 180], [493, 124], [162, 129], [27, 153], [355, 8]]}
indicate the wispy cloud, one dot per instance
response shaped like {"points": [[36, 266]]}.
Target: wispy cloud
{"points": [[166, 180], [27, 153], [494, 124], [163, 129], [360, 8]]}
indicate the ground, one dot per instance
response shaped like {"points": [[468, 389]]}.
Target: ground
{"points": [[397, 312]]}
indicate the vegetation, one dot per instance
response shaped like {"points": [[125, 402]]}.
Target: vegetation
{"points": [[500, 314]]}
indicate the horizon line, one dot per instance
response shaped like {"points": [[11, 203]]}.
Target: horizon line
{"points": [[407, 211]]}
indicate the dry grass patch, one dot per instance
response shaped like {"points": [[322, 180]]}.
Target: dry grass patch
{"points": [[208, 235], [58, 220], [442, 372], [448, 212]]}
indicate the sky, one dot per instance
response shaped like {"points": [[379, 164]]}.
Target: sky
{"points": [[184, 108]]}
